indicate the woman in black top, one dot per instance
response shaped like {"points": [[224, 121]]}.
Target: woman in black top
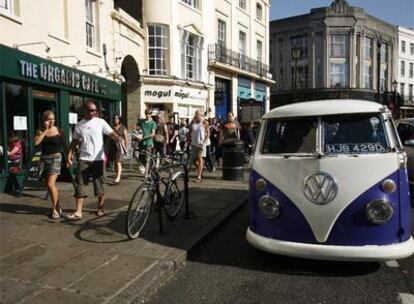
{"points": [[51, 140]]}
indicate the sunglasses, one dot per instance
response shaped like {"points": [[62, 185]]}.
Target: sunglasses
{"points": [[92, 110]]}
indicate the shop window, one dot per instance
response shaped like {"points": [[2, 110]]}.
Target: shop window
{"points": [[3, 142], [17, 124]]}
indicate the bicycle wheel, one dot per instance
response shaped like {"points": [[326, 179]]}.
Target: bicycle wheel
{"points": [[138, 211], [174, 196]]}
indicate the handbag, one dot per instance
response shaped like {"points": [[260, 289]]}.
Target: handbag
{"points": [[159, 138]]}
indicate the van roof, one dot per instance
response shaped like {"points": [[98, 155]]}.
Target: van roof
{"points": [[326, 107]]}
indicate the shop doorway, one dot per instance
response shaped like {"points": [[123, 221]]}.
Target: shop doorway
{"points": [[39, 107], [222, 98]]}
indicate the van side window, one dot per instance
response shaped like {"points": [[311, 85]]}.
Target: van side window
{"points": [[290, 136]]}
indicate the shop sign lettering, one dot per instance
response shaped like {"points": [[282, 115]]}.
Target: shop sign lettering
{"points": [[61, 76], [174, 93]]}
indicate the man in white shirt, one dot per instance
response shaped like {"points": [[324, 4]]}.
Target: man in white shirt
{"points": [[88, 139]]}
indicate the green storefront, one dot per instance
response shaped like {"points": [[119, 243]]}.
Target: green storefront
{"points": [[30, 85]]}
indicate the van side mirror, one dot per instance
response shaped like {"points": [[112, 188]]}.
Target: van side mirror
{"points": [[409, 142]]}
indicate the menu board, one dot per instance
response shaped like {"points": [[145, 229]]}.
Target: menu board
{"points": [[251, 112]]}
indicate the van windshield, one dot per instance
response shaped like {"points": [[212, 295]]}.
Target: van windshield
{"points": [[354, 134], [290, 136]]}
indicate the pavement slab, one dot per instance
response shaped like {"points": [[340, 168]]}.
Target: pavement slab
{"points": [[92, 260]]}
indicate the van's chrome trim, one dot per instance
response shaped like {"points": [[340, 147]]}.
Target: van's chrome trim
{"points": [[330, 252]]}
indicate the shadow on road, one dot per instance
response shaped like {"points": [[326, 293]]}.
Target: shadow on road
{"points": [[227, 246]]}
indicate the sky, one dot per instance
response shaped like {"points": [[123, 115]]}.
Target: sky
{"points": [[396, 12]]}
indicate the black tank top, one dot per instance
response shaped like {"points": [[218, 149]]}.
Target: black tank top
{"points": [[51, 145]]}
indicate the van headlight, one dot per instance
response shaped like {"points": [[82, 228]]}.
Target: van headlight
{"points": [[269, 207], [379, 211]]}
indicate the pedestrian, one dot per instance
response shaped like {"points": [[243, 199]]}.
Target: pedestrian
{"points": [[118, 149], [208, 153], [182, 135], [161, 136], [173, 129], [146, 145], [136, 138], [214, 138], [230, 129], [52, 143], [197, 139], [88, 137]]}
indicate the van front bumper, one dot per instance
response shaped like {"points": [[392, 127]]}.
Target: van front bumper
{"points": [[330, 252]]}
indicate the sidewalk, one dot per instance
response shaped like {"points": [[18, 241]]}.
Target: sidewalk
{"points": [[92, 260]]}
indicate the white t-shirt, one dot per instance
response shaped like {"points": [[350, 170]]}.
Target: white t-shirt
{"points": [[90, 135], [197, 133]]}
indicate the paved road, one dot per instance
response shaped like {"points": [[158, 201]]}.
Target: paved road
{"points": [[225, 269]]}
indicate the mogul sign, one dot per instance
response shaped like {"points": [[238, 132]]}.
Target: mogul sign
{"points": [[173, 94]]}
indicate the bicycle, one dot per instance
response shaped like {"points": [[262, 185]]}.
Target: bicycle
{"points": [[149, 193]]}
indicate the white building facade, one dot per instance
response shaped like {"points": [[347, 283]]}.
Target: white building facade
{"points": [[239, 58], [199, 57], [405, 70], [91, 36], [174, 81]]}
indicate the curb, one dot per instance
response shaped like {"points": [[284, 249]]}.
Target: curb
{"points": [[161, 271]]}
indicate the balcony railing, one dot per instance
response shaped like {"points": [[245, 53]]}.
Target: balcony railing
{"points": [[221, 54]]}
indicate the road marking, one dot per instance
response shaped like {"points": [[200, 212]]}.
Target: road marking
{"points": [[392, 264], [406, 298]]}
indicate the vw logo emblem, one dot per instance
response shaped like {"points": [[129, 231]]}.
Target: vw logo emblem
{"points": [[320, 188]]}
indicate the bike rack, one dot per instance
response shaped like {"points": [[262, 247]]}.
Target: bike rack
{"points": [[187, 214]]}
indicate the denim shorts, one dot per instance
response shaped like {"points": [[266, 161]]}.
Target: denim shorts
{"points": [[51, 164]]}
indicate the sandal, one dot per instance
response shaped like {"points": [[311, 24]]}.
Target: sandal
{"points": [[197, 180], [55, 215], [73, 217], [100, 212]]}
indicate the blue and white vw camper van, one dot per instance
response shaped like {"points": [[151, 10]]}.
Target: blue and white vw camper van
{"points": [[329, 181]]}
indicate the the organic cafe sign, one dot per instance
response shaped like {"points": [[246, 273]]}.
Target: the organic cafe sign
{"points": [[58, 75]]}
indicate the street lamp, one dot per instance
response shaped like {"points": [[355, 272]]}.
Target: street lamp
{"points": [[380, 41], [295, 53], [394, 103]]}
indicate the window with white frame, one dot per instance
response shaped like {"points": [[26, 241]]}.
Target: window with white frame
{"points": [[339, 45], [339, 61], [368, 51], [402, 68], [6, 5], [410, 92], [339, 75], [411, 48], [259, 51], [384, 67], [191, 55], [90, 23], [402, 88], [242, 43], [402, 46], [221, 33], [410, 70], [193, 3], [367, 76], [259, 11], [242, 4], [368, 62], [157, 49]]}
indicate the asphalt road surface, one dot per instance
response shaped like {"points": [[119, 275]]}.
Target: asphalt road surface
{"points": [[225, 269]]}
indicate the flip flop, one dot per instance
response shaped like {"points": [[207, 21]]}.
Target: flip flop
{"points": [[100, 212], [197, 180], [55, 215], [73, 217]]}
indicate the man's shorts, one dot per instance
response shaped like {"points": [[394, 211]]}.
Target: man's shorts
{"points": [[196, 152], [86, 170]]}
